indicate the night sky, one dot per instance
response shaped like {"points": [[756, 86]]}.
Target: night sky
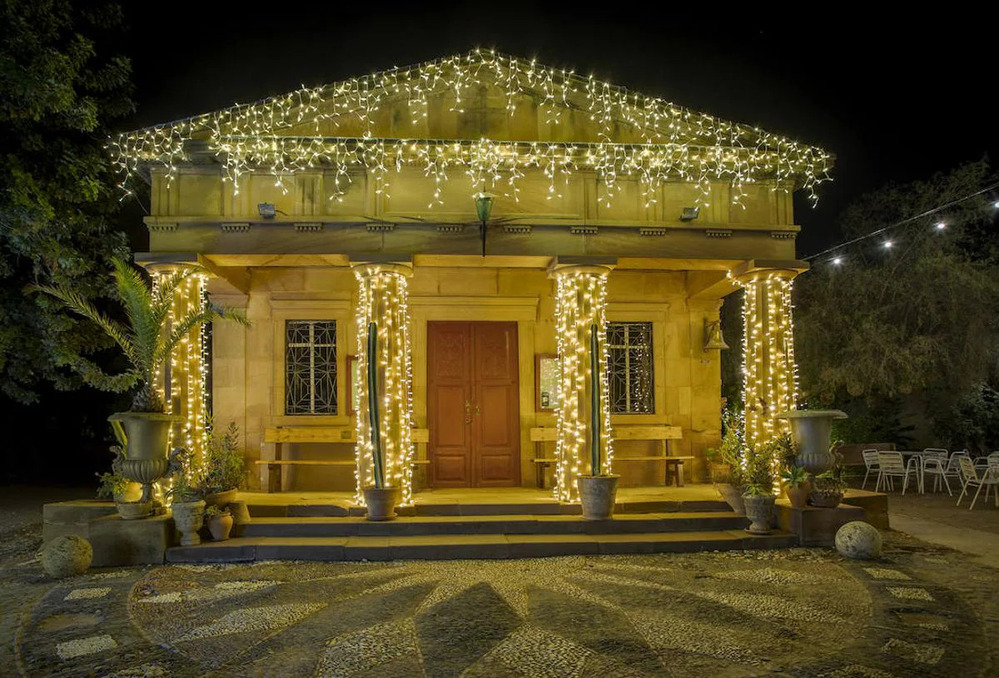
{"points": [[895, 98]]}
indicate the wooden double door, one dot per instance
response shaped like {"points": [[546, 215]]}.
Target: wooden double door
{"points": [[473, 403]]}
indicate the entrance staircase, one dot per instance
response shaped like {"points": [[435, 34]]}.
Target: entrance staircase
{"points": [[335, 531]]}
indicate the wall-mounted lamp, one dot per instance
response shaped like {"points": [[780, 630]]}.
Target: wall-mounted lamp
{"points": [[713, 339], [483, 208], [690, 213]]}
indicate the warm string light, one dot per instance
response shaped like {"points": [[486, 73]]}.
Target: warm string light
{"points": [[333, 126], [185, 394], [580, 302], [383, 298], [770, 375]]}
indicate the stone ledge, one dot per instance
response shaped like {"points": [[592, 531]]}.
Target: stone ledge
{"points": [[115, 541], [815, 526]]}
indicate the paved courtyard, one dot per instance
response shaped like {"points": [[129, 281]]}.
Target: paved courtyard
{"points": [[920, 610]]}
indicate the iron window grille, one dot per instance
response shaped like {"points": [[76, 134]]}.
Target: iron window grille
{"points": [[630, 368], [310, 367]]}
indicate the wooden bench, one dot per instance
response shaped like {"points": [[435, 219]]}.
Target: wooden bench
{"points": [[673, 465], [274, 439]]}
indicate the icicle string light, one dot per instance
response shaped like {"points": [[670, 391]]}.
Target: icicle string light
{"points": [[334, 126], [580, 303], [383, 298]]}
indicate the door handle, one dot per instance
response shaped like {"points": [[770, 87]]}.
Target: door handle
{"points": [[477, 411], [468, 412]]}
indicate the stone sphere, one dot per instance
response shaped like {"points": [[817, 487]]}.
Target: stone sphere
{"points": [[858, 540], [66, 556]]}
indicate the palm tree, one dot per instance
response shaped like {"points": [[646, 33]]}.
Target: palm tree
{"points": [[145, 338]]}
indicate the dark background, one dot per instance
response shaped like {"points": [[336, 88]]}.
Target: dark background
{"points": [[895, 97]]}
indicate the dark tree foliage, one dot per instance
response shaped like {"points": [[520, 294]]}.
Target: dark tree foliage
{"points": [[906, 331], [61, 88]]}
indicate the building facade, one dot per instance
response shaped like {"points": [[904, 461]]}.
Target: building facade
{"points": [[483, 212]]}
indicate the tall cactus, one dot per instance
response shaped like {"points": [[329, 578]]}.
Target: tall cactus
{"points": [[595, 466], [373, 418]]}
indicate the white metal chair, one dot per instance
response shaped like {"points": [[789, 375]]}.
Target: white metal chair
{"points": [[892, 465], [934, 463], [953, 470], [871, 462], [989, 479], [982, 463]]}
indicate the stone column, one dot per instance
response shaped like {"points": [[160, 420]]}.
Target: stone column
{"points": [[580, 302], [182, 384], [770, 384], [383, 299]]}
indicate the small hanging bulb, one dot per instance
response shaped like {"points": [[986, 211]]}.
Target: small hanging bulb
{"points": [[888, 244], [837, 261], [941, 225]]}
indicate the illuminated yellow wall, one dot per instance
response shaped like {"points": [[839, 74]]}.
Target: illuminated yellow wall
{"points": [[249, 372]]}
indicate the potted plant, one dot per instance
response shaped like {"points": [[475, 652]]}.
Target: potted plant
{"points": [[829, 487], [796, 486], [126, 494], [759, 498], [225, 467], [727, 472], [219, 522], [379, 498], [187, 497], [147, 338], [597, 491]]}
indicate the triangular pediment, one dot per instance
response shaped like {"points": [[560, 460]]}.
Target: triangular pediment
{"points": [[494, 115]]}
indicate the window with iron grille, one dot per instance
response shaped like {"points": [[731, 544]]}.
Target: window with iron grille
{"points": [[630, 368], [310, 367]]}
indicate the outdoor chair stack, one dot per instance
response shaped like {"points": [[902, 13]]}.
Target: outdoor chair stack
{"points": [[892, 465]]}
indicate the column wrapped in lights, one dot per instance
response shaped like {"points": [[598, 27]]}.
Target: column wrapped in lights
{"points": [[182, 385], [770, 379], [580, 302], [383, 298]]}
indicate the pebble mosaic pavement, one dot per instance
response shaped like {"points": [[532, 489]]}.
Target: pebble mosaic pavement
{"points": [[800, 612]]}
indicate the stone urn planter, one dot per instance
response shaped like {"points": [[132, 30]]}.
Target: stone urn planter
{"points": [[189, 516], [133, 510], [732, 496], [825, 498], [381, 502], [812, 432], [145, 445], [220, 526], [759, 510], [597, 494]]}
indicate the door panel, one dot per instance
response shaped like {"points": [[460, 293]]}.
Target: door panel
{"points": [[449, 388], [473, 402]]}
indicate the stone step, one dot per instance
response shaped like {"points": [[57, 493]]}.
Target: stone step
{"points": [[494, 524], [298, 508], [447, 547]]}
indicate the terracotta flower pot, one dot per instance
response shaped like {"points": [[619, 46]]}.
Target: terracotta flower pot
{"points": [[133, 510], [797, 496], [220, 527], [221, 498], [597, 494], [732, 495], [381, 502]]}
